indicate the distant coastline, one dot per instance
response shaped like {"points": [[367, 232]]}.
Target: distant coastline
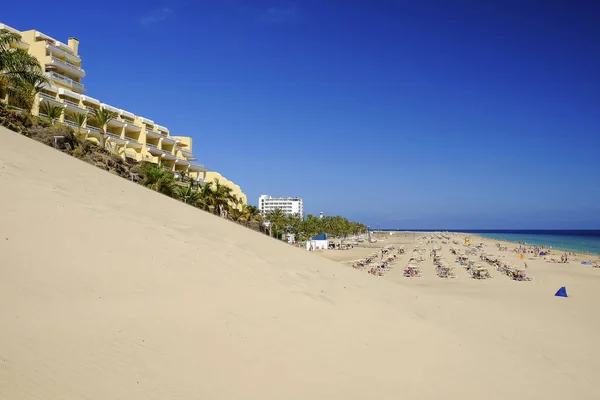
{"points": [[582, 241]]}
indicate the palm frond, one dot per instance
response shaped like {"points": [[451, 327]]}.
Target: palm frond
{"points": [[52, 111], [21, 75], [102, 117]]}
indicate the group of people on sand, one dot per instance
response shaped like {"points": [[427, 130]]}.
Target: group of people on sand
{"points": [[340, 246], [510, 271], [413, 270], [382, 260], [442, 267], [474, 270], [360, 264]]}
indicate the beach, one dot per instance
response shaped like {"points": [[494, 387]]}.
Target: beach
{"points": [[110, 290], [548, 276]]}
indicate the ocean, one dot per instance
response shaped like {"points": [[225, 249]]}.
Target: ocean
{"points": [[570, 240], [580, 241]]}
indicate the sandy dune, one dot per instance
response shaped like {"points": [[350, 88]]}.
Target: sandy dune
{"points": [[111, 291]]}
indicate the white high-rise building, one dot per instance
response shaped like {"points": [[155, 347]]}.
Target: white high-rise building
{"points": [[289, 205]]}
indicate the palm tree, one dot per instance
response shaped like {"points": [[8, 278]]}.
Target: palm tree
{"points": [[207, 199], [276, 218], [79, 119], [21, 75], [102, 117], [188, 195], [294, 224], [222, 197], [158, 179], [251, 213], [235, 214], [53, 112], [166, 185]]}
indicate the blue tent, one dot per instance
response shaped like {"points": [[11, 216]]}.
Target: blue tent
{"points": [[322, 236], [562, 292]]}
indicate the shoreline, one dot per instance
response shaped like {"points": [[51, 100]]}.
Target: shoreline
{"points": [[480, 235], [505, 241]]}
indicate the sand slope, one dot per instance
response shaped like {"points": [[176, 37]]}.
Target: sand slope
{"points": [[111, 291]]}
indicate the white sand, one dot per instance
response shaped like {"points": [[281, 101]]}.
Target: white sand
{"points": [[111, 291]]}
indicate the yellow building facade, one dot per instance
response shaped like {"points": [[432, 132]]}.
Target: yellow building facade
{"points": [[127, 134], [211, 176]]}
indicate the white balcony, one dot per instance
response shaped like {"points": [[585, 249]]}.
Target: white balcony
{"points": [[91, 100], [155, 151], [68, 93], [115, 122], [181, 161], [74, 107], [110, 108], [9, 29], [55, 50], [72, 124], [110, 137], [91, 109], [152, 134], [65, 80], [147, 121], [127, 114], [91, 104], [168, 140], [92, 130], [71, 101], [40, 35], [63, 46], [186, 153], [131, 142], [195, 167], [49, 88], [130, 126], [161, 129], [50, 99], [66, 67]]}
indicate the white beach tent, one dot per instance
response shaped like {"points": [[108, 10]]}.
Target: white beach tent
{"points": [[317, 242]]}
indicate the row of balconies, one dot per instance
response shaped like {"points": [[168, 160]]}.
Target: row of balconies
{"points": [[66, 81], [132, 142], [64, 52], [65, 66]]}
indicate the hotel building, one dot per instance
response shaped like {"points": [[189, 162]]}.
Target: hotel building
{"points": [[128, 135], [289, 205]]}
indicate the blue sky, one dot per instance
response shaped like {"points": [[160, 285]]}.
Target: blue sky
{"points": [[408, 114]]}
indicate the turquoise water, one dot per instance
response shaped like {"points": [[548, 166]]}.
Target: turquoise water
{"points": [[571, 240], [577, 243]]}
